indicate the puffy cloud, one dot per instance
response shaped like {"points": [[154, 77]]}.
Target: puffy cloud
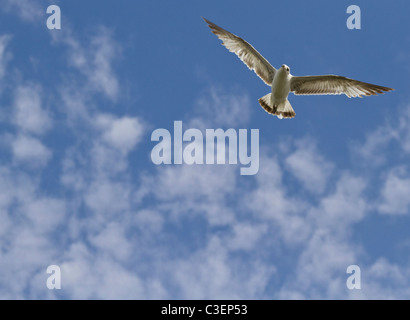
{"points": [[392, 138], [221, 108], [150, 221], [90, 276], [30, 222], [123, 133], [246, 236], [395, 192], [94, 60], [271, 201], [44, 214], [30, 151], [385, 280], [111, 240], [106, 196], [211, 273], [29, 115], [5, 55], [27, 10], [179, 231], [321, 269], [371, 150], [186, 191], [308, 166], [345, 206], [238, 232]]}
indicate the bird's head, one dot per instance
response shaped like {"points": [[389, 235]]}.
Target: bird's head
{"points": [[286, 68]]}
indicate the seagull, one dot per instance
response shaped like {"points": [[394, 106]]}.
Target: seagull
{"points": [[282, 82]]}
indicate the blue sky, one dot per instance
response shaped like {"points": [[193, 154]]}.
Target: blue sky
{"points": [[78, 188]]}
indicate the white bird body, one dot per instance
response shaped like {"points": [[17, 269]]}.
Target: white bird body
{"points": [[282, 82], [280, 86]]}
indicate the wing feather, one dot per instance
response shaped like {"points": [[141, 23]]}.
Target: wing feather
{"points": [[248, 54], [332, 84]]}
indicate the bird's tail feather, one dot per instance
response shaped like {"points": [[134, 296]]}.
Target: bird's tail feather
{"points": [[282, 110]]}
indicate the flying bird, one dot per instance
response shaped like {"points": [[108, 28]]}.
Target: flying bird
{"points": [[282, 82]]}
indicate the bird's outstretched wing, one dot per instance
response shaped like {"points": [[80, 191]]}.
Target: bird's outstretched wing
{"points": [[331, 84], [248, 54]]}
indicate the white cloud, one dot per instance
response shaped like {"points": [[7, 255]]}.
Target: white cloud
{"points": [[76, 104], [217, 108], [105, 196], [29, 224], [178, 231], [211, 273], [27, 10], [44, 214], [102, 76], [271, 201], [91, 276], [123, 133], [186, 191], [385, 280], [345, 206], [395, 192], [321, 269], [308, 166], [102, 155], [94, 60], [120, 247], [371, 151], [106, 161], [149, 221], [376, 148], [403, 129], [328, 250], [382, 269], [29, 115], [246, 236], [5, 55], [111, 240], [30, 151]]}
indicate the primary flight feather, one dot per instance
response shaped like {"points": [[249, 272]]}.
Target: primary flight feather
{"points": [[282, 82]]}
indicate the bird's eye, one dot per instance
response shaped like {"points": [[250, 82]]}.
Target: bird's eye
{"points": [[287, 69]]}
